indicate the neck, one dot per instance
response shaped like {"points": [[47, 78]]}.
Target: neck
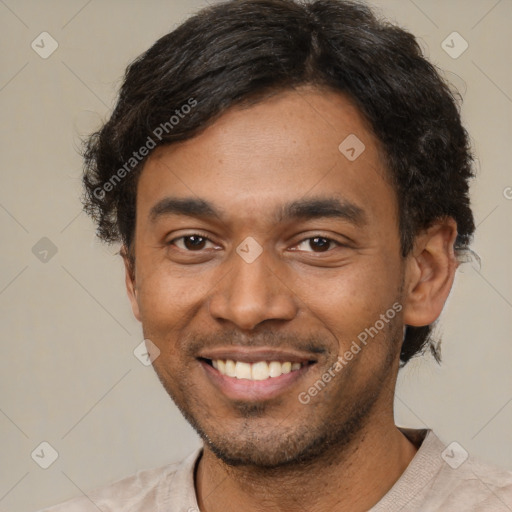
{"points": [[350, 479]]}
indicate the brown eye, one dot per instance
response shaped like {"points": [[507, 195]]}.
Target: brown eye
{"points": [[320, 243], [317, 244], [193, 243]]}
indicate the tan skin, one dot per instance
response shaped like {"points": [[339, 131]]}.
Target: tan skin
{"points": [[303, 296]]}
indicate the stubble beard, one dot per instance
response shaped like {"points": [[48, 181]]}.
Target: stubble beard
{"points": [[280, 446]]}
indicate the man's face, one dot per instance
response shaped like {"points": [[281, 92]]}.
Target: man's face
{"points": [[273, 278]]}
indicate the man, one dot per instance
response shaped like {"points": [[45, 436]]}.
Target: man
{"points": [[289, 183]]}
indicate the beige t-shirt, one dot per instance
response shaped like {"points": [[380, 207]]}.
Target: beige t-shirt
{"points": [[439, 478]]}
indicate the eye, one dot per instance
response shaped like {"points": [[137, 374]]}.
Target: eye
{"points": [[194, 242], [317, 244]]}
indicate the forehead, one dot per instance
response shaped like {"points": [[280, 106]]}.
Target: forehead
{"points": [[252, 160]]}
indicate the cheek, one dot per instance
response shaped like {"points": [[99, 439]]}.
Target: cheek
{"points": [[353, 298], [169, 297], [162, 303]]}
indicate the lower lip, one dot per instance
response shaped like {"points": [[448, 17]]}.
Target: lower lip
{"points": [[253, 390]]}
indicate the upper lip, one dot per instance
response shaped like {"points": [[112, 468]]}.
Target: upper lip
{"points": [[253, 355]]}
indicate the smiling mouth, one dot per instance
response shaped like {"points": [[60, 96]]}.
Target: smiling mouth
{"points": [[255, 371]]}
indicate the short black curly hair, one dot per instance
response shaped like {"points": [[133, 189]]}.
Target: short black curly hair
{"points": [[246, 50]]}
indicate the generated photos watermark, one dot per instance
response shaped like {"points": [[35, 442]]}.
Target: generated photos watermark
{"points": [[356, 347], [151, 143]]}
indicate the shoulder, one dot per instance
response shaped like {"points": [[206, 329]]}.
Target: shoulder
{"points": [[465, 482], [445, 477], [137, 490], [146, 490], [476, 485]]}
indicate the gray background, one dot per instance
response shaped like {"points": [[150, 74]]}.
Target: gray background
{"points": [[68, 375]]}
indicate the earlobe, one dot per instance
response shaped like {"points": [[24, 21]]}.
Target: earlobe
{"points": [[131, 287], [430, 273]]}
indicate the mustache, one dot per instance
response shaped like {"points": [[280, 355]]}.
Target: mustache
{"points": [[194, 343]]}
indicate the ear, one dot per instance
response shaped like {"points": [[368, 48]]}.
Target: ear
{"points": [[131, 287], [430, 271]]}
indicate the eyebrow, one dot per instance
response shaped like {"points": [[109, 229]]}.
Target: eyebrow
{"points": [[188, 206], [315, 208], [301, 209]]}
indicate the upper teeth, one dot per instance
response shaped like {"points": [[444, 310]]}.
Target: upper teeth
{"points": [[254, 371]]}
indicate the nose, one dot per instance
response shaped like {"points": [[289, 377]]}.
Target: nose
{"points": [[252, 293]]}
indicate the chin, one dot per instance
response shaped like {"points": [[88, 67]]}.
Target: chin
{"points": [[272, 451], [270, 444]]}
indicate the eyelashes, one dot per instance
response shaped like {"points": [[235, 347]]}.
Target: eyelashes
{"points": [[196, 242]]}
